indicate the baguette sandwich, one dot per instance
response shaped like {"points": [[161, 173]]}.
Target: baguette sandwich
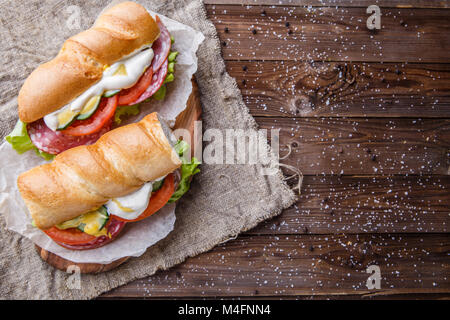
{"points": [[87, 194], [98, 76]]}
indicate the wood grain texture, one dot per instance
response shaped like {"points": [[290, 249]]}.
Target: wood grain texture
{"points": [[192, 113], [340, 3], [305, 265], [331, 34], [383, 296], [70, 266], [366, 116], [325, 89], [365, 204], [364, 146]]}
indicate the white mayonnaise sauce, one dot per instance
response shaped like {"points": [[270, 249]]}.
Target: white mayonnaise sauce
{"points": [[135, 66], [132, 205]]}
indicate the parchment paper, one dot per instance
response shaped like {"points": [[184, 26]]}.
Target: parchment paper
{"points": [[136, 237]]}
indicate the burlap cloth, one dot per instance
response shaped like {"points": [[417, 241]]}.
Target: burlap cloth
{"points": [[224, 199]]}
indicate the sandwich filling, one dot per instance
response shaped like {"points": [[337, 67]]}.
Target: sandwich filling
{"points": [[121, 75], [124, 85], [131, 206], [98, 227]]}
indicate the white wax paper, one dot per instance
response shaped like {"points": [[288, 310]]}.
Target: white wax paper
{"points": [[136, 237]]}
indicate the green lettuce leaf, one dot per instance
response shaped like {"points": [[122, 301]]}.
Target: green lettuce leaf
{"points": [[170, 77], [157, 185], [172, 56], [171, 67], [161, 93], [21, 142], [45, 155], [19, 138], [125, 111], [188, 169], [181, 147]]}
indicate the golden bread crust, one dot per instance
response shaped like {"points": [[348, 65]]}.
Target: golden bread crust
{"points": [[119, 31], [84, 178]]}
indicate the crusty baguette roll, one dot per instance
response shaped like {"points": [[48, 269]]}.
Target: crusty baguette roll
{"points": [[119, 31], [84, 178]]}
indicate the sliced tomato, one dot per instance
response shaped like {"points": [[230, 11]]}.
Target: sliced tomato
{"points": [[158, 199], [127, 96], [149, 84], [158, 80], [97, 121], [69, 236], [113, 226]]}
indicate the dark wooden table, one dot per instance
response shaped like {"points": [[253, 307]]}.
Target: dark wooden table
{"points": [[367, 117]]}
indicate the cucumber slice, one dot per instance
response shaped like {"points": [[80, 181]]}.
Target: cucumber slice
{"points": [[110, 93], [65, 118], [92, 223], [121, 70], [89, 108], [105, 215], [74, 223]]}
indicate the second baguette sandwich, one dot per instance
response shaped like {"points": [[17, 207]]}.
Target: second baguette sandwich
{"points": [[127, 175]]}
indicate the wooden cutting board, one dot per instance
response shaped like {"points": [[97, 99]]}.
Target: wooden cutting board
{"points": [[185, 120]]}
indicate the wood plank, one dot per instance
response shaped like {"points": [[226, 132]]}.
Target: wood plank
{"points": [[340, 3], [279, 258], [331, 34], [370, 204], [303, 89], [384, 296], [363, 146], [306, 265]]}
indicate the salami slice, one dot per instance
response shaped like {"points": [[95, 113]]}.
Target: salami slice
{"points": [[55, 142], [157, 81], [161, 46], [114, 228]]}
